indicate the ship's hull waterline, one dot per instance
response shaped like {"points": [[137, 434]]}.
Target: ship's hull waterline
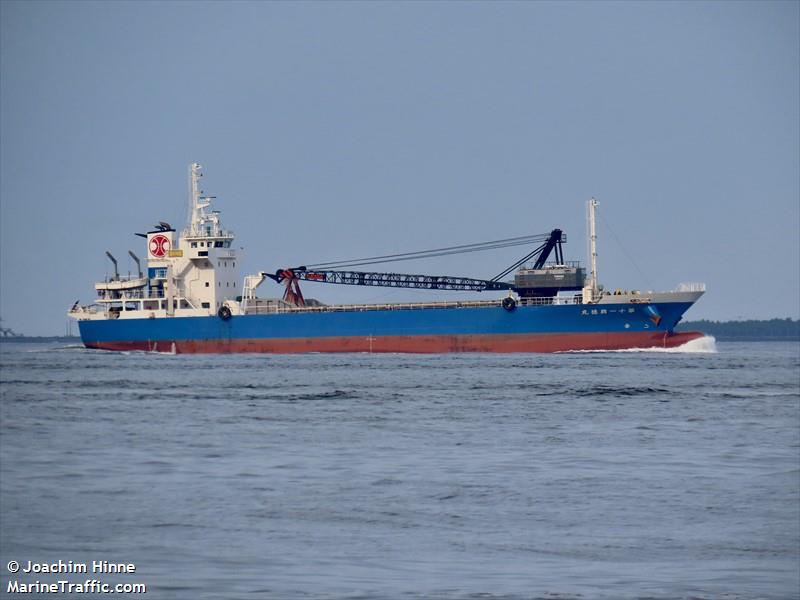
{"points": [[526, 329], [415, 344]]}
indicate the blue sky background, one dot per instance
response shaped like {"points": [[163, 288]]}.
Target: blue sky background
{"points": [[338, 130]]}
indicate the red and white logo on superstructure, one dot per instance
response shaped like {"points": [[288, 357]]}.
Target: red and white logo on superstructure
{"points": [[159, 246]]}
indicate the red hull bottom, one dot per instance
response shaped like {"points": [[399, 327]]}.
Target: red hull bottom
{"points": [[418, 343]]}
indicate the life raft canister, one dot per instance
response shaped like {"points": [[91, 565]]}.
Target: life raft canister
{"points": [[509, 303]]}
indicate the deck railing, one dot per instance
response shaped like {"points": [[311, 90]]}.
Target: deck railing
{"points": [[273, 309], [692, 286], [122, 295]]}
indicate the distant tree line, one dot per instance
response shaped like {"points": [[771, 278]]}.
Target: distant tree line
{"points": [[772, 329]]}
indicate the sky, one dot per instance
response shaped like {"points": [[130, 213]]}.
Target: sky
{"points": [[341, 130]]}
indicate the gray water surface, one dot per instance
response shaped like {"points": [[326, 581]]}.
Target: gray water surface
{"points": [[588, 475]]}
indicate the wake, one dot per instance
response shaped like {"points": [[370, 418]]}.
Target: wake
{"points": [[703, 345]]}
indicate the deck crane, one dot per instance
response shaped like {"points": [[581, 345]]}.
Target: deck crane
{"points": [[536, 281]]}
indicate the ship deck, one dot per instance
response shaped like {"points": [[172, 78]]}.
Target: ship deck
{"points": [[273, 306]]}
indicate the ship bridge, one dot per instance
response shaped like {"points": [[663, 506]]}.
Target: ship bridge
{"points": [[190, 275]]}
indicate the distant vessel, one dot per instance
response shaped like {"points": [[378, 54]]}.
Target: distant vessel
{"points": [[188, 301]]}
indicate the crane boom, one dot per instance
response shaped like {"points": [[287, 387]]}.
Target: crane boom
{"points": [[404, 280], [290, 277]]}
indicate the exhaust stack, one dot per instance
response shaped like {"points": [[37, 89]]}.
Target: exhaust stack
{"points": [[138, 262], [113, 260]]}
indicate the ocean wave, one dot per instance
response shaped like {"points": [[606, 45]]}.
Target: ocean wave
{"points": [[618, 390]]}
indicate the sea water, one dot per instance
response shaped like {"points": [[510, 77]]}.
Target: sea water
{"points": [[672, 474]]}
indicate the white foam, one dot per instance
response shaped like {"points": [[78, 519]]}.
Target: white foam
{"points": [[703, 345], [57, 348]]}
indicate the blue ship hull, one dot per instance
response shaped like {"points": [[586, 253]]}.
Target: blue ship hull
{"points": [[485, 328]]}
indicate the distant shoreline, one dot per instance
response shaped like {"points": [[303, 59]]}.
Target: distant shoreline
{"points": [[763, 330]]}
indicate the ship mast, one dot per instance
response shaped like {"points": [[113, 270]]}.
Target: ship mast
{"points": [[201, 223], [197, 203], [593, 244], [591, 290]]}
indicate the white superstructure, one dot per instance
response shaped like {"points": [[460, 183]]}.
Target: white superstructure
{"points": [[191, 275]]}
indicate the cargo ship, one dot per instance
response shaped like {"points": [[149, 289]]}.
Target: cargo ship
{"points": [[188, 299]]}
